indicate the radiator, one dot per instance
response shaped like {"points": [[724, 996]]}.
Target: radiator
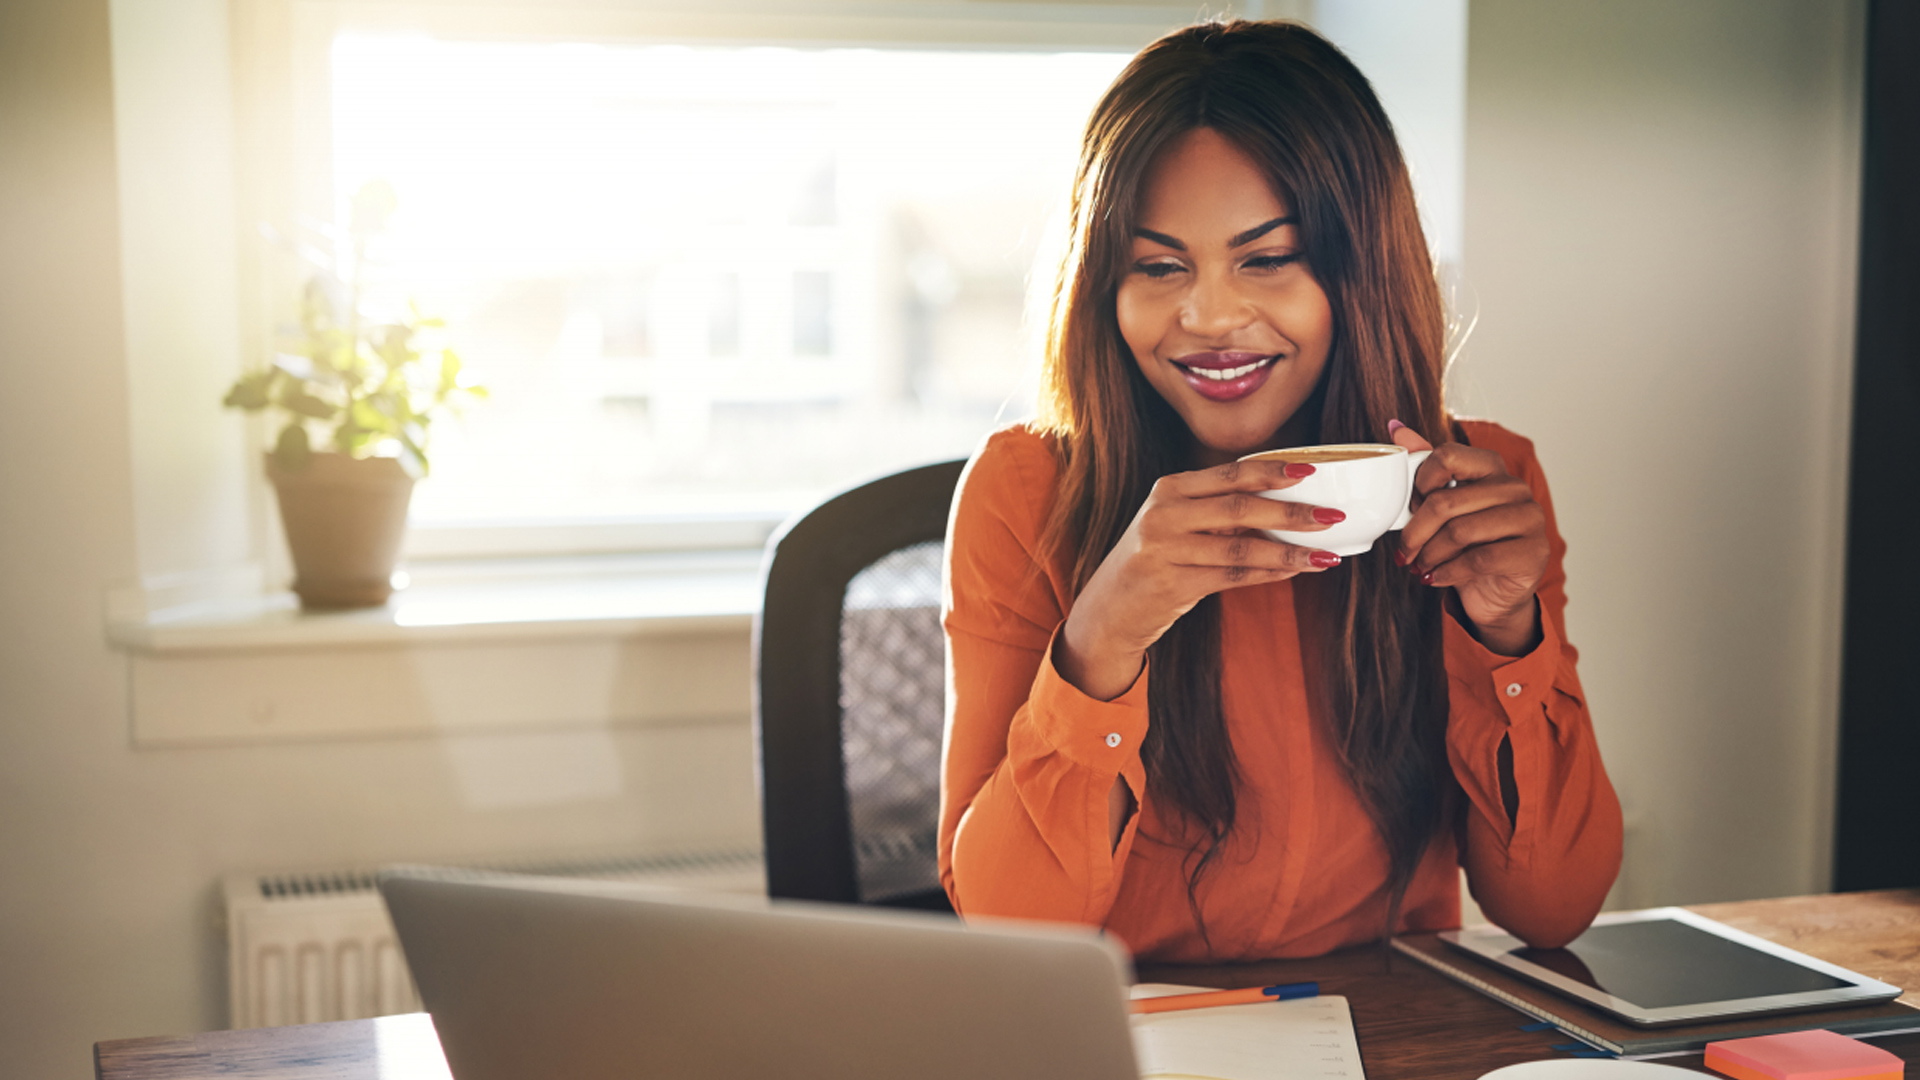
{"points": [[303, 948]]}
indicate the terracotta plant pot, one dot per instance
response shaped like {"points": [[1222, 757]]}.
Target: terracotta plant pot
{"points": [[344, 519]]}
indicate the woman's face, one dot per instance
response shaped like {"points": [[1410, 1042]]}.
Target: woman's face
{"points": [[1217, 304]]}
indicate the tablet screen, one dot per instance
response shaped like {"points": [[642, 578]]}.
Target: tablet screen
{"points": [[1659, 963]]}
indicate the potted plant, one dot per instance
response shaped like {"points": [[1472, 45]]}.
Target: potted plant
{"points": [[356, 394]]}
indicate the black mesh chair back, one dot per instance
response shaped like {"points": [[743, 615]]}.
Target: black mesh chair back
{"points": [[849, 694]]}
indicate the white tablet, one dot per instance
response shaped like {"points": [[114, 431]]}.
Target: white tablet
{"points": [[1670, 966]]}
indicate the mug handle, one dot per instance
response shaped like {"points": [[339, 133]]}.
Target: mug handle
{"points": [[1414, 458]]}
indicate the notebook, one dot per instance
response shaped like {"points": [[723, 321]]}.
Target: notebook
{"points": [[1308, 1039]]}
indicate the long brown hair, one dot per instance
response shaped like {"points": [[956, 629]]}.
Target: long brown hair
{"points": [[1300, 110]]}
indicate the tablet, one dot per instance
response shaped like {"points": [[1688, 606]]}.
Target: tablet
{"points": [[1670, 966]]}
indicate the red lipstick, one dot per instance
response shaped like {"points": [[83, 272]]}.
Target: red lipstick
{"points": [[1226, 376]]}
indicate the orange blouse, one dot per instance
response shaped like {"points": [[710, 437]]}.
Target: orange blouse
{"points": [[1030, 761]]}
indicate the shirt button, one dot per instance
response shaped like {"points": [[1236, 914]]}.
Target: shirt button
{"points": [[1113, 738], [1513, 689]]}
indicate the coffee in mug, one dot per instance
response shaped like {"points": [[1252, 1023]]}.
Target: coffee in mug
{"points": [[1320, 455], [1371, 483]]}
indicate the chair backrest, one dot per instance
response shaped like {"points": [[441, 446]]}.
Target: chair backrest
{"points": [[849, 694]]}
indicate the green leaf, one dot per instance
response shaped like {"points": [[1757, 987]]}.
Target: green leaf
{"points": [[365, 417], [394, 383], [347, 436], [449, 373], [252, 392], [292, 451], [295, 399]]}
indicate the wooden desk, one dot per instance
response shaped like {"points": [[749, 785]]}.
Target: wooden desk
{"points": [[1411, 1022]]}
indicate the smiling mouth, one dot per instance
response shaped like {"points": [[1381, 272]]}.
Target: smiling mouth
{"points": [[1226, 377], [1219, 374]]}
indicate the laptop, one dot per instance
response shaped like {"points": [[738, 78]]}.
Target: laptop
{"points": [[540, 977]]}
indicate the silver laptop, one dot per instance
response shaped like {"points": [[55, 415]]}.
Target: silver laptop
{"points": [[539, 977]]}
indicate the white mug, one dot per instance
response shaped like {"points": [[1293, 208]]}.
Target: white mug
{"points": [[1373, 487]]}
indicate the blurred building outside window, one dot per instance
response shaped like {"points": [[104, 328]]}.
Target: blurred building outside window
{"points": [[705, 281]]}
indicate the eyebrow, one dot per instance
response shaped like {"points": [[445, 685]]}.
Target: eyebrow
{"points": [[1259, 231], [1238, 239], [1160, 238]]}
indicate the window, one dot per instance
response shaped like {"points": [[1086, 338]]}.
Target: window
{"points": [[704, 280]]}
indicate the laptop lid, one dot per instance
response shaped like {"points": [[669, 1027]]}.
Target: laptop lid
{"points": [[541, 977]]}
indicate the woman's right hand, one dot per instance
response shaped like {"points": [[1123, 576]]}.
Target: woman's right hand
{"points": [[1195, 536]]}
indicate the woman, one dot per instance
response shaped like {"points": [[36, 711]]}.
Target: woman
{"points": [[1213, 744]]}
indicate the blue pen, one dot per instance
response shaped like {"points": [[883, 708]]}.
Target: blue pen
{"points": [[1250, 995]]}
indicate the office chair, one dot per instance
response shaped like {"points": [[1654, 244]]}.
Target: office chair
{"points": [[849, 694]]}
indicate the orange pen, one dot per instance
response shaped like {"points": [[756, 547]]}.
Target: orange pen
{"points": [[1251, 995]]}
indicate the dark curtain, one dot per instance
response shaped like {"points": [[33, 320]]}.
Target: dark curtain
{"points": [[1877, 842]]}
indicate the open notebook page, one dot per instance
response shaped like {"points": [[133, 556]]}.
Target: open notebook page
{"points": [[1309, 1039]]}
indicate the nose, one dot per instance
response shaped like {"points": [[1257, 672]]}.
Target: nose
{"points": [[1214, 308]]}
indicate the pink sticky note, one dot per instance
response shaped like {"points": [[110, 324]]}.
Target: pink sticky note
{"points": [[1803, 1055]]}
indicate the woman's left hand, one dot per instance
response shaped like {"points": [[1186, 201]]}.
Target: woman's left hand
{"points": [[1485, 538]]}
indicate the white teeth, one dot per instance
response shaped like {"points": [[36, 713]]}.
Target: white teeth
{"points": [[1223, 374]]}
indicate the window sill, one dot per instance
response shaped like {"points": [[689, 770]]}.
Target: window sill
{"points": [[478, 601], [658, 640]]}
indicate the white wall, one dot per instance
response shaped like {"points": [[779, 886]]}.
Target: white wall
{"points": [[173, 131], [1660, 228]]}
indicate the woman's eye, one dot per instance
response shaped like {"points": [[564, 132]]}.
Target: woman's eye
{"points": [[1157, 270], [1271, 262]]}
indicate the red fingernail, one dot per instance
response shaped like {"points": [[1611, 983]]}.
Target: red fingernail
{"points": [[1427, 577], [1399, 559], [1393, 426], [1327, 515], [1324, 559], [1298, 470]]}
